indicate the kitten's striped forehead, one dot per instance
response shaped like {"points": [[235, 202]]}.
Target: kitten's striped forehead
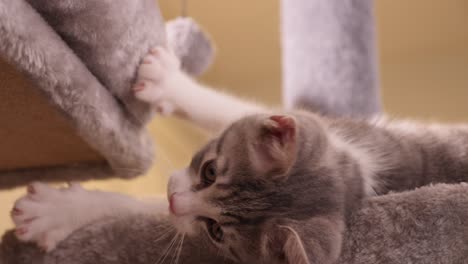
{"points": [[223, 149], [201, 156], [213, 148]]}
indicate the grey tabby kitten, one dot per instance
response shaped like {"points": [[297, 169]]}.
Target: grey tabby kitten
{"points": [[277, 188]]}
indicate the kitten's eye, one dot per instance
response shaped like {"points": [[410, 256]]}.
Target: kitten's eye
{"points": [[208, 173], [215, 230]]}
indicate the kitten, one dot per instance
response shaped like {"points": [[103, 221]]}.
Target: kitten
{"points": [[273, 187], [277, 187]]}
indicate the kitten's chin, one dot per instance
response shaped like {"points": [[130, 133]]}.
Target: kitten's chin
{"points": [[184, 224]]}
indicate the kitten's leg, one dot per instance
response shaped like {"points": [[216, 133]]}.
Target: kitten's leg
{"points": [[162, 83], [46, 215]]}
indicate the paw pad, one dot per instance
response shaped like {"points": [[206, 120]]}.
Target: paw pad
{"points": [[46, 215]]}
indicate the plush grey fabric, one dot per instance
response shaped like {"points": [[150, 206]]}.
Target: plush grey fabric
{"points": [[110, 37], [329, 56], [191, 44], [83, 55], [423, 226], [80, 54]]}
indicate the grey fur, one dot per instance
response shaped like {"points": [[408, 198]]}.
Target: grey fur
{"points": [[409, 154], [110, 44], [405, 237], [423, 226], [305, 192], [191, 44], [323, 179], [321, 196], [83, 56], [329, 56], [110, 37]]}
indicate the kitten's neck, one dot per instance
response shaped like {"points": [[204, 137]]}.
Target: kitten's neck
{"points": [[367, 164], [399, 156]]}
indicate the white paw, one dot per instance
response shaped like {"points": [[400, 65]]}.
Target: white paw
{"points": [[157, 78], [47, 215]]}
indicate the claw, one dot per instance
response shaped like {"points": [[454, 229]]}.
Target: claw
{"points": [[31, 189], [139, 87], [16, 211], [21, 231], [154, 51]]}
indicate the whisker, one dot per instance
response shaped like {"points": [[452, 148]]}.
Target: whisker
{"points": [[164, 234], [163, 256], [168, 250], [176, 244], [180, 249], [223, 255]]}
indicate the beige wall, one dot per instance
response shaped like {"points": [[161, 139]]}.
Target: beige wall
{"points": [[424, 61], [424, 58]]}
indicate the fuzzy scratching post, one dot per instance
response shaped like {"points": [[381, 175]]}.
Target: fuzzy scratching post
{"points": [[73, 115], [329, 57], [66, 72], [110, 37], [191, 44]]}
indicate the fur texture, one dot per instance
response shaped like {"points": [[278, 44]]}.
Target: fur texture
{"points": [[271, 188], [330, 57], [453, 257], [422, 226], [261, 183], [110, 38], [337, 162], [191, 44], [31, 44]]}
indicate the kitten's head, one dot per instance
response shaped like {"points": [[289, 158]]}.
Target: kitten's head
{"points": [[237, 191]]}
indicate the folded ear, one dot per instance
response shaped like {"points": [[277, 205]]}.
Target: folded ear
{"points": [[315, 240], [285, 246], [275, 145]]}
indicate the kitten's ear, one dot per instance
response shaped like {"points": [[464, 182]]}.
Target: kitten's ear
{"points": [[285, 245], [316, 240], [275, 145]]}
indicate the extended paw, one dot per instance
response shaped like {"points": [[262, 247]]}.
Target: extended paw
{"points": [[158, 74], [44, 214]]}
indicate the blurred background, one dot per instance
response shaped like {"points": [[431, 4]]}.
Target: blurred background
{"points": [[423, 54]]}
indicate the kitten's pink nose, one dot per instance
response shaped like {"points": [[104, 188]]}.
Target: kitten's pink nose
{"points": [[181, 203], [172, 206]]}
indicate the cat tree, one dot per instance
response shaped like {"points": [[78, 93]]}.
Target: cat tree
{"points": [[66, 70], [329, 57], [67, 111], [337, 75]]}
